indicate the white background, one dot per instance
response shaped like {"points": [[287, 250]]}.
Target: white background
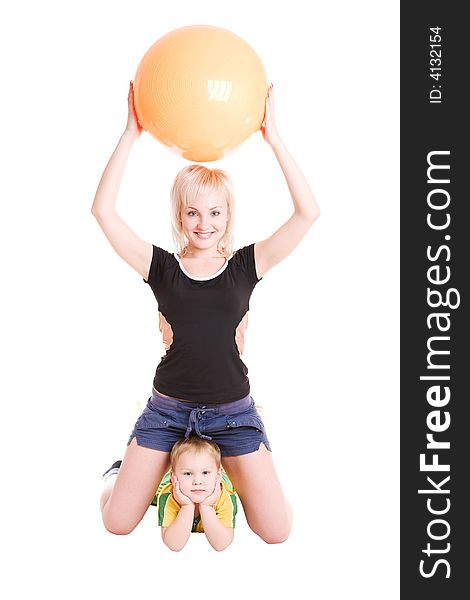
{"points": [[79, 328]]}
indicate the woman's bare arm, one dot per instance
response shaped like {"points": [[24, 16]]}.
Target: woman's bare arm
{"points": [[283, 241], [136, 252]]}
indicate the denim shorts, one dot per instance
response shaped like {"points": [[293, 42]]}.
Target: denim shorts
{"points": [[235, 427]]}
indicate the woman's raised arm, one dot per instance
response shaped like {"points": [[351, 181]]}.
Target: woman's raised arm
{"points": [[279, 245], [136, 252]]}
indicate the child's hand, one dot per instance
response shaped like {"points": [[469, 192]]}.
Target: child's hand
{"points": [[214, 496], [133, 127], [178, 495], [268, 127]]}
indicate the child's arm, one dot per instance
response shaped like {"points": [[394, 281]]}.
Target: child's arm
{"points": [[177, 534], [136, 252], [219, 536], [275, 248]]}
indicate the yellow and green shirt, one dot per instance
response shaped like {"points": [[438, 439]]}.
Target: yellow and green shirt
{"points": [[225, 507]]}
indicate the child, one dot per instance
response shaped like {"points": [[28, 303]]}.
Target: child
{"points": [[196, 496]]}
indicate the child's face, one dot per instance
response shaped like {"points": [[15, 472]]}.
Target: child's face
{"points": [[204, 220], [196, 473]]}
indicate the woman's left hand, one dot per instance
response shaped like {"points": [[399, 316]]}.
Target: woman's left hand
{"points": [[212, 498], [268, 127]]}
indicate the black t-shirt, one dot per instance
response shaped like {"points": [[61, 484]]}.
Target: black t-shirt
{"points": [[202, 321]]}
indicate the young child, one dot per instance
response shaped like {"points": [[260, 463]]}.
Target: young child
{"points": [[196, 496]]}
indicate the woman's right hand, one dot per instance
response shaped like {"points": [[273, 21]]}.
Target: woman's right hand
{"points": [[133, 127]]}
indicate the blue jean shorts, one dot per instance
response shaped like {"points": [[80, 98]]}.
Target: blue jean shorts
{"points": [[235, 427]]}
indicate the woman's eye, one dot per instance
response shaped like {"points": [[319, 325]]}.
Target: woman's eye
{"points": [[187, 473], [191, 213], [216, 213], [206, 472]]}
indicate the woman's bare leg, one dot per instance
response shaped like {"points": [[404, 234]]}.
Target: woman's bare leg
{"points": [[127, 496], [267, 511]]}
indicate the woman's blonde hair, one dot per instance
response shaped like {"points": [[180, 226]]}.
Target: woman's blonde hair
{"points": [[189, 183], [194, 444]]}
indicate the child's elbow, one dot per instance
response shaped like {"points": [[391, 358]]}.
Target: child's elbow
{"points": [[174, 547], [221, 545], [221, 548]]}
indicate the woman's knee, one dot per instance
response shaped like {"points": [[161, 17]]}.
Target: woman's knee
{"points": [[275, 530], [276, 535], [118, 526], [116, 521]]}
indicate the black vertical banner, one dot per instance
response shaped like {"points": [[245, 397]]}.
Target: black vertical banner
{"points": [[435, 316]]}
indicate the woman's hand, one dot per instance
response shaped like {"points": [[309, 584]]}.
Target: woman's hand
{"points": [[214, 496], [268, 127], [178, 495], [133, 127]]}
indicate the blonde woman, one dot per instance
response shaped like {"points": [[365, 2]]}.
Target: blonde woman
{"points": [[203, 290]]}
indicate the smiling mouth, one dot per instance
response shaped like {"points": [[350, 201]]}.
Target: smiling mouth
{"points": [[204, 234]]}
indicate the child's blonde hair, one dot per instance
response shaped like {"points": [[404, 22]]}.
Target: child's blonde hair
{"points": [[194, 180], [194, 444]]}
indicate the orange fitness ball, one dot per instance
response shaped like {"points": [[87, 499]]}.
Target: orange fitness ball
{"points": [[200, 90]]}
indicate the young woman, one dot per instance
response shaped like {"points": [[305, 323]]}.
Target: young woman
{"points": [[203, 291]]}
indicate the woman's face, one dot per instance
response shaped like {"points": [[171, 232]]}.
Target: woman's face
{"points": [[204, 220]]}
